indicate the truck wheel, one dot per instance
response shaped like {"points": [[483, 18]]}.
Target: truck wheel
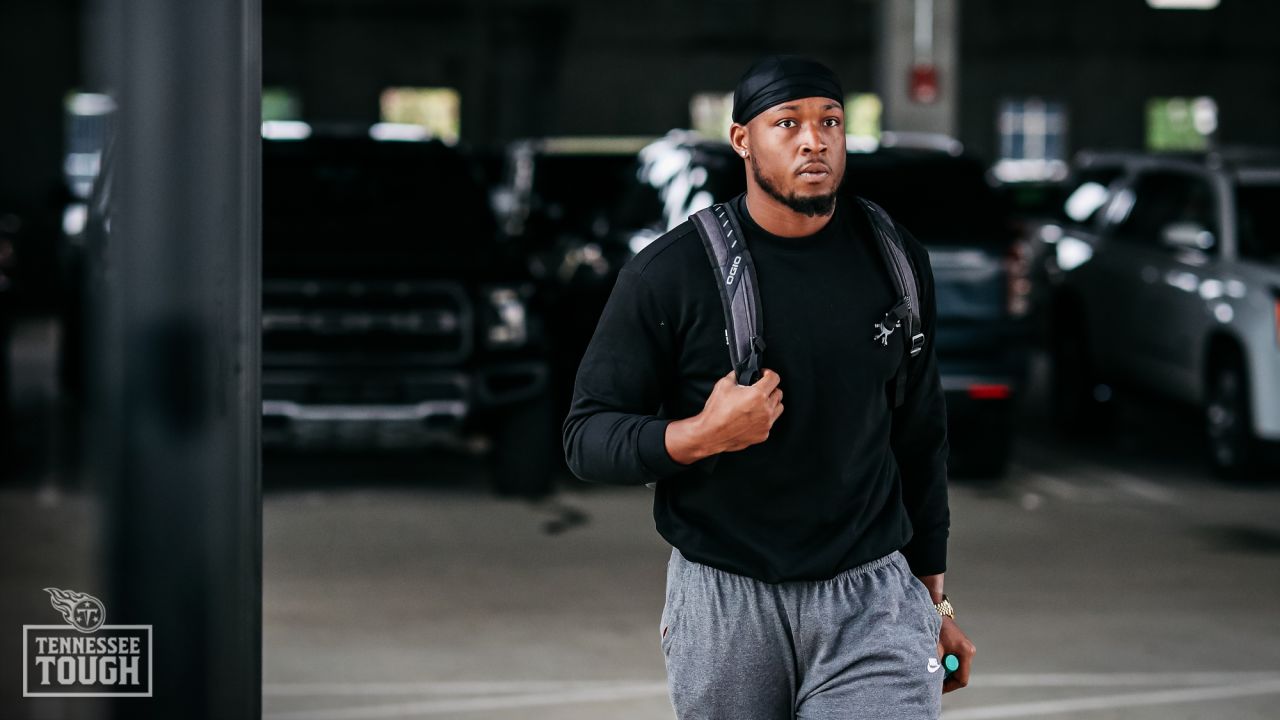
{"points": [[1081, 401], [1227, 420], [991, 458], [522, 462], [984, 455]]}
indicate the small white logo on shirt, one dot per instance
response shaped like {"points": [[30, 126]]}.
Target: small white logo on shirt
{"points": [[934, 665]]}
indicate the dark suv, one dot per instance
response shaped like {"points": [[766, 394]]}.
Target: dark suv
{"points": [[392, 315], [941, 195], [558, 200]]}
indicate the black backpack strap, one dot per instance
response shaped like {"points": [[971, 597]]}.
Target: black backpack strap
{"points": [[906, 313], [726, 248]]}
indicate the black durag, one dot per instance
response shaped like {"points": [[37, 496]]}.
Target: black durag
{"points": [[778, 78]]}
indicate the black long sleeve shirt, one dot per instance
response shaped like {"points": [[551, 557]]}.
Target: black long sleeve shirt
{"points": [[844, 478]]}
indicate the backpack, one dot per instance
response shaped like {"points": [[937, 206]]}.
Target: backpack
{"points": [[726, 248]]}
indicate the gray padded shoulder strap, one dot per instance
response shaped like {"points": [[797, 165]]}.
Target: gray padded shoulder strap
{"points": [[895, 256], [907, 311], [726, 248]]}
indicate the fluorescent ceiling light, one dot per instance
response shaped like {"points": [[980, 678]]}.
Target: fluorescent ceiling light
{"points": [[285, 130], [91, 104], [398, 132], [861, 143], [596, 145], [1183, 4]]}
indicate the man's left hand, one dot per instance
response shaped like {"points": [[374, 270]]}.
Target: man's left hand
{"points": [[951, 639]]}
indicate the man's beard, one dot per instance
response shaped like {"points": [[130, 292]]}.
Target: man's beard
{"points": [[811, 206]]}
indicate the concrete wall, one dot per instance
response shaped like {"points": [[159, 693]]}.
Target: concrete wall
{"points": [[529, 68], [39, 63], [1105, 58], [897, 54]]}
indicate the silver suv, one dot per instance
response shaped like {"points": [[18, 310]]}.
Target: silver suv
{"points": [[1170, 281]]}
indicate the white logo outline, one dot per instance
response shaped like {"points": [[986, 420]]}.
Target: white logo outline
{"points": [[59, 600], [82, 611]]}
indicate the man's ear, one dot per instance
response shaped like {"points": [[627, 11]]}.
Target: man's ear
{"points": [[738, 139]]}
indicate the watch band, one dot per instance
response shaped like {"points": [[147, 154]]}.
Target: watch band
{"points": [[944, 608]]}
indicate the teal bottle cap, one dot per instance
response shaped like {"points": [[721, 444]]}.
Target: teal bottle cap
{"points": [[951, 662]]}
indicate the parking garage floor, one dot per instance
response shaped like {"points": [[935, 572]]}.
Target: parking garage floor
{"points": [[1111, 581], [1088, 591]]}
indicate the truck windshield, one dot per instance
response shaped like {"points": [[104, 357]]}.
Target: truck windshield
{"points": [[577, 193], [1258, 217], [940, 199], [348, 203]]}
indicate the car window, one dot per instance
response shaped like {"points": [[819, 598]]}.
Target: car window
{"points": [[674, 180], [940, 199], [1160, 198], [576, 193], [1258, 219], [1088, 194], [338, 202]]}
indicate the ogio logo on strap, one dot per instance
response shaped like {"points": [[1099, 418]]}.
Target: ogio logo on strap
{"points": [[733, 271]]}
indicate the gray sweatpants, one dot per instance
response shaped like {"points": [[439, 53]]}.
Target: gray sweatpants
{"points": [[863, 644]]}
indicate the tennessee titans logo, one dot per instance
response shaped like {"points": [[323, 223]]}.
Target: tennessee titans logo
{"points": [[82, 611]]}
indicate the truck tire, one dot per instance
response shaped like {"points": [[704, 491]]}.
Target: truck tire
{"points": [[984, 455], [525, 443], [1081, 400], [1227, 420]]}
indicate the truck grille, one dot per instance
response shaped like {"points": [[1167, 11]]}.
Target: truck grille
{"points": [[327, 322]]}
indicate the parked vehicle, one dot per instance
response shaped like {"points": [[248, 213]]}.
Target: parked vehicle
{"points": [[393, 315], [1065, 208], [940, 194], [1172, 286], [559, 203]]}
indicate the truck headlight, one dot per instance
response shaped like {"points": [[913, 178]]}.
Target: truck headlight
{"points": [[511, 328]]}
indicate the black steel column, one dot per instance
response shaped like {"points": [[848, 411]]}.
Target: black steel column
{"points": [[175, 414]]}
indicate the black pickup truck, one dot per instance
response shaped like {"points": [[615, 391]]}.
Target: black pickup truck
{"points": [[393, 316], [558, 200]]}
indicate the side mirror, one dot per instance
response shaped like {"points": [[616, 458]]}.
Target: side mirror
{"points": [[1187, 236]]}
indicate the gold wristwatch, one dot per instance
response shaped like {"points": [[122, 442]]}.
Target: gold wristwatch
{"points": [[944, 608]]}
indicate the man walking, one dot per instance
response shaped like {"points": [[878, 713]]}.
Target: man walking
{"points": [[808, 546]]}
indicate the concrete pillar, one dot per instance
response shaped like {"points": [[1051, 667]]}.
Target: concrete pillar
{"points": [[173, 358], [918, 34]]}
